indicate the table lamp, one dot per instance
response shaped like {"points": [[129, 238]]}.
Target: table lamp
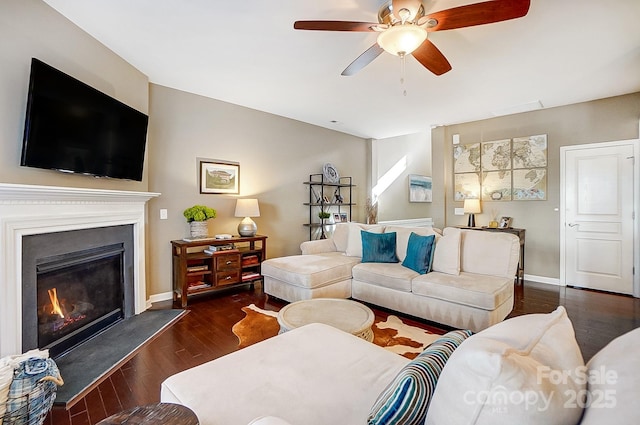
{"points": [[247, 208], [472, 207]]}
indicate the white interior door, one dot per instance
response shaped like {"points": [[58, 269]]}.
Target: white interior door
{"points": [[599, 217]]}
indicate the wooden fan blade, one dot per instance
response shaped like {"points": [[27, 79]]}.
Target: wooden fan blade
{"points": [[363, 60], [432, 58], [335, 25], [411, 5], [478, 14]]}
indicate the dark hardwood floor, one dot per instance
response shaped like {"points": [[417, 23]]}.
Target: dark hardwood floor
{"points": [[205, 334]]}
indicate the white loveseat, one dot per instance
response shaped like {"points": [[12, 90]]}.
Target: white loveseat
{"points": [[525, 370], [470, 287]]}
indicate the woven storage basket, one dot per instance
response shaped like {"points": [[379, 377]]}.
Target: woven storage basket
{"points": [[29, 404]]}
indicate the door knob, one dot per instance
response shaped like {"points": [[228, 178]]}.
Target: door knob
{"points": [[572, 224]]}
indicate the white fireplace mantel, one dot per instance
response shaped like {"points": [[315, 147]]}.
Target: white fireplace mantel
{"points": [[30, 210]]}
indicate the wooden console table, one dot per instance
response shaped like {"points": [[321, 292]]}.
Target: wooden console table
{"points": [[196, 271], [520, 233]]}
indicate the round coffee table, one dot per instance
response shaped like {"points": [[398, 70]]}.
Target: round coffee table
{"points": [[349, 316], [154, 414]]}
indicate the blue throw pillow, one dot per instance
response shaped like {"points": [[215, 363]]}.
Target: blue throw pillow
{"points": [[378, 247], [420, 251], [406, 399]]}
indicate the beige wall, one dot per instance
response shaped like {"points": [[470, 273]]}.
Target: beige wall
{"points": [[414, 152], [603, 120], [276, 155], [30, 28]]}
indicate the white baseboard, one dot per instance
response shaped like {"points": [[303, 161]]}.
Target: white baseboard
{"points": [[543, 279], [159, 297]]}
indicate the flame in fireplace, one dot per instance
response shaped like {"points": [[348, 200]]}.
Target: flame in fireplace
{"points": [[55, 304]]}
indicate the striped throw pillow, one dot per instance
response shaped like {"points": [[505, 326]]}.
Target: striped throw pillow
{"points": [[406, 399]]}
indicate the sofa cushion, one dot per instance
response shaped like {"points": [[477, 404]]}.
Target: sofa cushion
{"points": [[491, 253], [419, 253], [508, 374], [614, 379], [354, 237], [310, 271], [475, 290], [446, 258], [340, 236], [378, 247], [406, 399], [402, 237], [389, 275]]}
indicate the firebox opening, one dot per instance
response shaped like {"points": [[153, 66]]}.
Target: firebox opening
{"points": [[79, 294]]}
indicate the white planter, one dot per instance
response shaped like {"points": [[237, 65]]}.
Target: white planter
{"points": [[199, 229]]}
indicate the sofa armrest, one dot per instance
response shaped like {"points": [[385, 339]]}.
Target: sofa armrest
{"points": [[318, 246]]}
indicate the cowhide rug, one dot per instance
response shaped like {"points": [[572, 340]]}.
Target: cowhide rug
{"points": [[391, 334]]}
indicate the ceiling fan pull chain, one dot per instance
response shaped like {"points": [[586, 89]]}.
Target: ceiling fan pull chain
{"points": [[402, 71]]}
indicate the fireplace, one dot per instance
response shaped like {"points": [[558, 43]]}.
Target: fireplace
{"points": [[28, 212], [79, 294], [74, 285]]}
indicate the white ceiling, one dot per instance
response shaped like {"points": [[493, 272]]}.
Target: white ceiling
{"points": [[247, 53]]}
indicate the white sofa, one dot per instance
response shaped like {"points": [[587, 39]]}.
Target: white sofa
{"points": [[525, 370], [470, 287]]}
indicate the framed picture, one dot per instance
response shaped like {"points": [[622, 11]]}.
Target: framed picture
{"points": [[219, 177], [505, 223], [344, 217], [419, 188], [336, 218]]}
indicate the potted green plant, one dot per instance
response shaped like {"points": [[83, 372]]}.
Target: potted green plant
{"points": [[323, 215], [197, 217]]}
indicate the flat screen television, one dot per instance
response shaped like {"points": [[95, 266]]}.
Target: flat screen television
{"points": [[75, 128]]}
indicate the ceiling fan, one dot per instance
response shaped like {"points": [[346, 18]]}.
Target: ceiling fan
{"points": [[403, 26]]}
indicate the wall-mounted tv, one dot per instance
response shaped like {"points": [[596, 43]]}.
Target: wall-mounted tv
{"points": [[75, 128]]}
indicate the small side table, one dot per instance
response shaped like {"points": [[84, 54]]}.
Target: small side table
{"points": [[154, 414]]}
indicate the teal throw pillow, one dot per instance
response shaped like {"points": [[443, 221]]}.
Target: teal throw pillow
{"points": [[378, 247], [406, 399], [420, 251]]}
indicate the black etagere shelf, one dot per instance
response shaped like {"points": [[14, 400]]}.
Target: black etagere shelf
{"points": [[331, 197]]}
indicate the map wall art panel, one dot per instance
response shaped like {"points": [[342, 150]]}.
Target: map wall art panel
{"points": [[502, 170]]}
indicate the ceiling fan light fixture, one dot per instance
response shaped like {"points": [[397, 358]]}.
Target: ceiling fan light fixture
{"points": [[402, 39]]}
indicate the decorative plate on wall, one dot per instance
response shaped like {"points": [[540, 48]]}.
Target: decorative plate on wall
{"points": [[330, 173]]}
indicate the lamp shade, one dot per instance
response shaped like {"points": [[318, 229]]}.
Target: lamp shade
{"points": [[402, 39], [247, 208], [472, 206]]}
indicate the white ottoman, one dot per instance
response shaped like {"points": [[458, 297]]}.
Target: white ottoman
{"points": [[302, 277]]}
